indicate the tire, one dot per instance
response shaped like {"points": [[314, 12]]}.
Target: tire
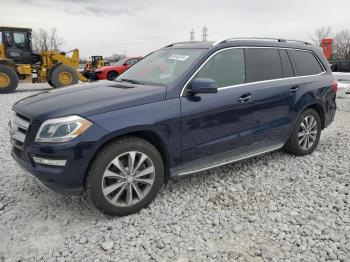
{"points": [[8, 79], [298, 141], [112, 75], [93, 77], [48, 76], [63, 75], [103, 174], [86, 74]]}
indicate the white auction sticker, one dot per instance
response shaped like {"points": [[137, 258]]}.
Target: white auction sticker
{"points": [[178, 57]]}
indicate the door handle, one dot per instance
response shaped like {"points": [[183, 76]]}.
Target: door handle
{"points": [[293, 89], [245, 98]]}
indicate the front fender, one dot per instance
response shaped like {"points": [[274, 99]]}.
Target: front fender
{"points": [[161, 118]]}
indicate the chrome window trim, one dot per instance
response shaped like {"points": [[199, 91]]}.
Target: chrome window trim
{"points": [[263, 81]]}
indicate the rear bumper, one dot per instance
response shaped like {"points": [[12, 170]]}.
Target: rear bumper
{"points": [[330, 111]]}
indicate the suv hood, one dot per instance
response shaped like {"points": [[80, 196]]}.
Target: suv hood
{"points": [[86, 100]]}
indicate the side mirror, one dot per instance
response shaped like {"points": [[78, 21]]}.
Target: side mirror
{"points": [[203, 86], [125, 64]]}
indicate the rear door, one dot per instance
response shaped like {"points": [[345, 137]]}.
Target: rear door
{"points": [[270, 72]]}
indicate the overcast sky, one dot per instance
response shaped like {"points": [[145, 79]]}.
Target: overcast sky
{"points": [[103, 27]]}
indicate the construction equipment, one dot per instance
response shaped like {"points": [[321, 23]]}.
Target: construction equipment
{"points": [[19, 62], [96, 62]]}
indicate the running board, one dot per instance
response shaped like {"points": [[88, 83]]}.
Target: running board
{"points": [[223, 159]]}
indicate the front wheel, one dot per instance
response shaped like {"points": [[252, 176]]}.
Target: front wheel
{"points": [[63, 75], [125, 176], [306, 134], [112, 75]]}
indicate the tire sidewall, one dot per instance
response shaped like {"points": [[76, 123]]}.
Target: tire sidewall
{"points": [[93, 185], [13, 79], [110, 73], [54, 76]]}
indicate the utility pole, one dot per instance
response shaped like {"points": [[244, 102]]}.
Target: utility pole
{"points": [[205, 33], [192, 35]]}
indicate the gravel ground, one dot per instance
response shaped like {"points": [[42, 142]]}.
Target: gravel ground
{"points": [[274, 207]]}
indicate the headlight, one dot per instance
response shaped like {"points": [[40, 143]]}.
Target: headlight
{"points": [[62, 129]]}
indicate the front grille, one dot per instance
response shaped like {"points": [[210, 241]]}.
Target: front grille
{"points": [[19, 127]]}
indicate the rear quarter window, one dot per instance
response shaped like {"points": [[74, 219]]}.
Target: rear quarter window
{"points": [[287, 68], [262, 64], [305, 63]]}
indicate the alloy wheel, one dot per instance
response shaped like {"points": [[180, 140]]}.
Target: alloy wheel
{"points": [[128, 178], [308, 132]]}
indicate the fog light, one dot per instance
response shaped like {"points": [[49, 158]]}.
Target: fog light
{"points": [[50, 162]]}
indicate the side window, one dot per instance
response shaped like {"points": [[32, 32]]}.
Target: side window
{"points": [[305, 63], [263, 64], [20, 39], [226, 67], [132, 61], [8, 39], [287, 69]]}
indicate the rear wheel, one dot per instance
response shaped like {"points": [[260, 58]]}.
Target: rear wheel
{"points": [[8, 79], [125, 176], [112, 75], [306, 134], [63, 75]]}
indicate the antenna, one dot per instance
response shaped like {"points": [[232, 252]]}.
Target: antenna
{"points": [[205, 33], [192, 35]]}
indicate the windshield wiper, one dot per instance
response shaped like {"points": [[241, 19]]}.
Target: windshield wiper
{"points": [[132, 81]]}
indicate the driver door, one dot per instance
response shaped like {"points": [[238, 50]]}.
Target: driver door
{"points": [[220, 122]]}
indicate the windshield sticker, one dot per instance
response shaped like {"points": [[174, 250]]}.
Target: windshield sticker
{"points": [[178, 57]]}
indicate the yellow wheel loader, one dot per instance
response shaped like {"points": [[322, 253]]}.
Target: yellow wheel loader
{"points": [[18, 62], [96, 62]]}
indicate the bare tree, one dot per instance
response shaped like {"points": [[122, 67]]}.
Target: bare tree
{"points": [[319, 34], [341, 47], [115, 57], [46, 40]]}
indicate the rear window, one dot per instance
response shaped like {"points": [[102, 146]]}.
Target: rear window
{"points": [[305, 63], [262, 64]]}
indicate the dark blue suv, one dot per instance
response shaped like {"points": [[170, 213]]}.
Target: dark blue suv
{"points": [[185, 108]]}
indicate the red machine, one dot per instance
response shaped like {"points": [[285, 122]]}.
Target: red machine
{"points": [[326, 45]]}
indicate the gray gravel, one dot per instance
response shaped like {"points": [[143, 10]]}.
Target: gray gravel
{"points": [[274, 207]]}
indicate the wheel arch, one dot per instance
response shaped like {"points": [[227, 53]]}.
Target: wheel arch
{"points": [[149, 135], [320, 110], [112, 71]]}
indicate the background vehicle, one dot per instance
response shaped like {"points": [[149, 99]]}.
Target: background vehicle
{"points": [[95, 63], [210, 104], [112, 72], [341, 66], [18, 62]]}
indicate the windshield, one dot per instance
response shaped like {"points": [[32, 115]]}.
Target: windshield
{"points": [[120, 62], [161, 67]]}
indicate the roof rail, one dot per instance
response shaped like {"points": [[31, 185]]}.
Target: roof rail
{"points": [[259, 39], [179, 43]]}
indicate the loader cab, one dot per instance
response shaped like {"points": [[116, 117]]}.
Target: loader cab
{"points": [[17, 43], [98, 62]]}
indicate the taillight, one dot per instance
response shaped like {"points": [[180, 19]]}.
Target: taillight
{"points": [[335, 86]]}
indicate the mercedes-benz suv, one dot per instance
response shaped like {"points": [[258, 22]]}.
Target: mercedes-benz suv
{"points": [[205, 105]]}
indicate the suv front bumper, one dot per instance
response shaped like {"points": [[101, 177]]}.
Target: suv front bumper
{"points": [[67, 178]]}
